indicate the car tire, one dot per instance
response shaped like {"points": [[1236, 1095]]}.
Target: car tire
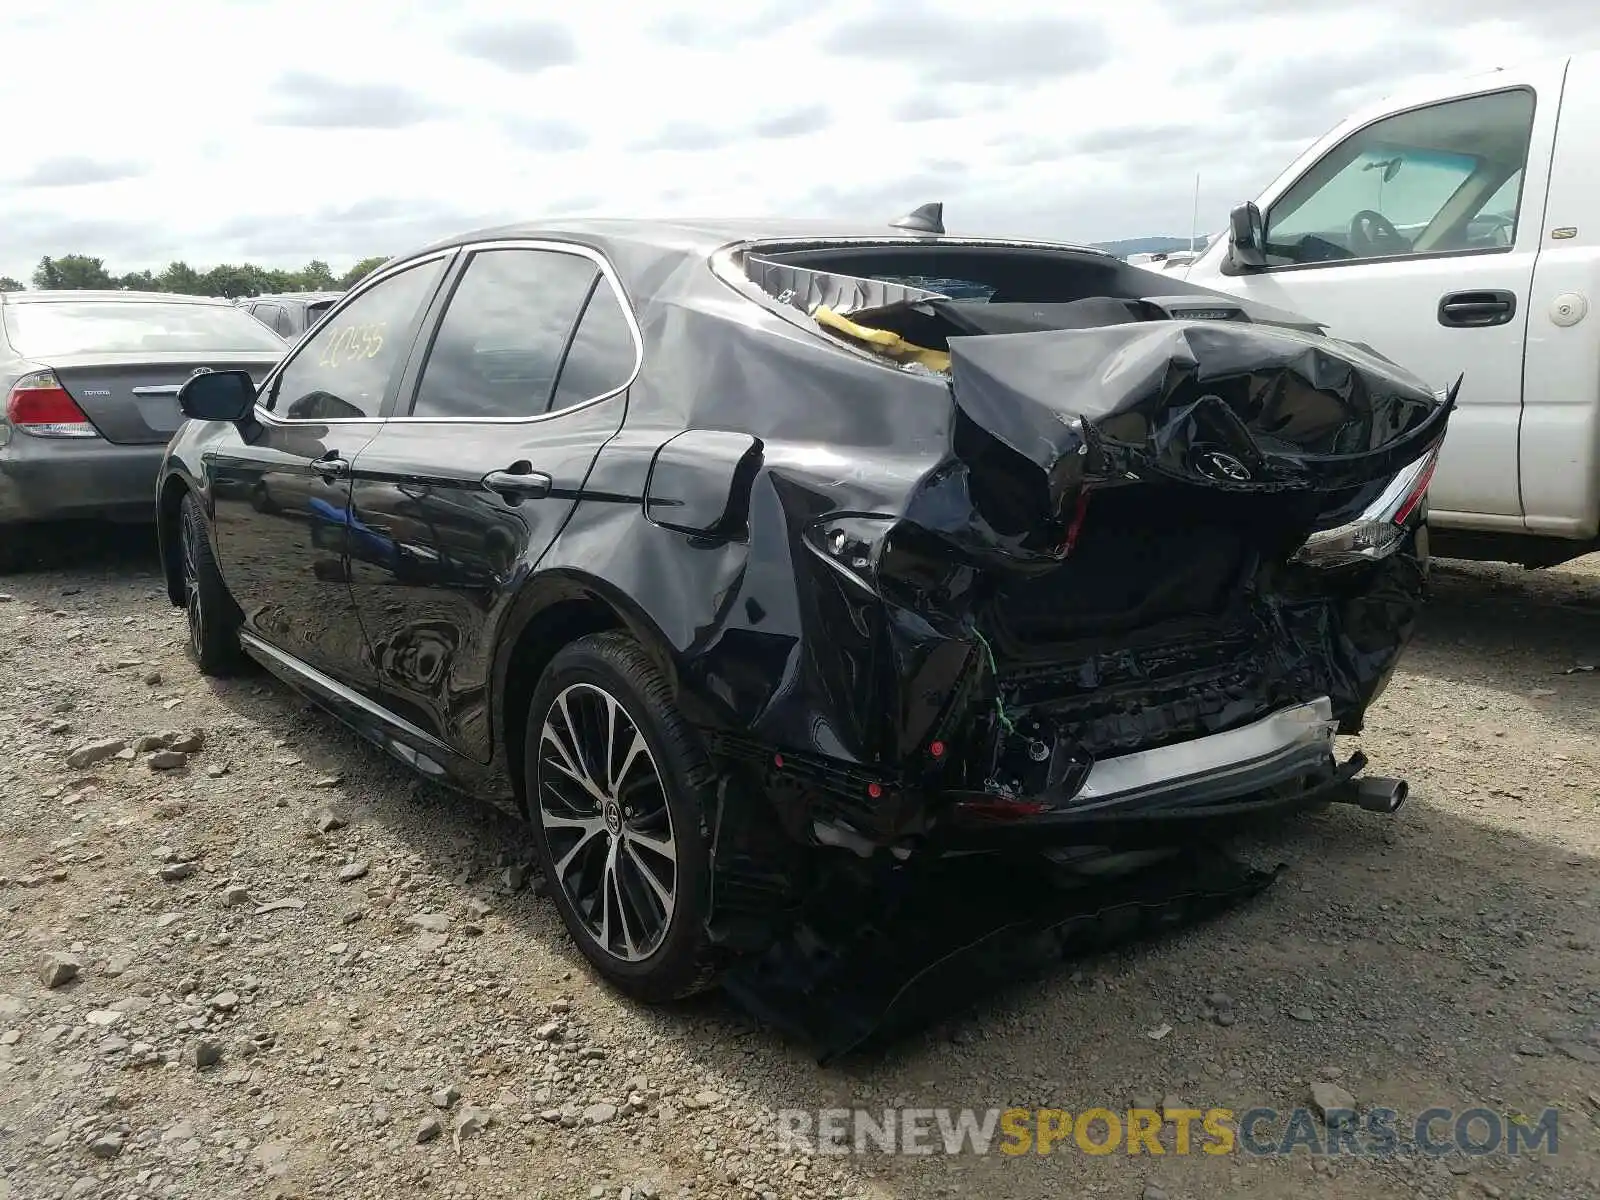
{"points": [[599, 838], [212, 616]]}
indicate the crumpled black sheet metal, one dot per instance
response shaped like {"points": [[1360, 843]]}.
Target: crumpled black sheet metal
{"points": [[864, 967], [1297, 410]]}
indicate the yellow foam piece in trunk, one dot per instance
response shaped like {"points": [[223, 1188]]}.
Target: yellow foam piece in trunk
{"points": [[891, 344]]}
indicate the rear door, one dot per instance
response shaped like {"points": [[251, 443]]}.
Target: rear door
{"points": [[459, 495], [282, 491], [1417, 234]]}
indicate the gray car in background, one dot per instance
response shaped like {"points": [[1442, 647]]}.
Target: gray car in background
{"points": [[89, 397], [290, 313]]}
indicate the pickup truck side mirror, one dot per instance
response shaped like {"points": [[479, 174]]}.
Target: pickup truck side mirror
{"points": [[1247, 237]]}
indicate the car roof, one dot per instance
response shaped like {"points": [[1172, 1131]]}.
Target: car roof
{"points": [[47, 296], [707, 235], [308, 296], [654, 259]]}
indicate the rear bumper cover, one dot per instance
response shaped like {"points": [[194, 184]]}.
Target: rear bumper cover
{"points": [[44, 479], [1279, 763]]}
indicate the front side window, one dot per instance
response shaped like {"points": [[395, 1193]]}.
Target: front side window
{"points": [[1443, 178], [500, 345], [345, 369]]}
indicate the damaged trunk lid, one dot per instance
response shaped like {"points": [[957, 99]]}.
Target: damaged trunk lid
{"points": [[1232, 426]]}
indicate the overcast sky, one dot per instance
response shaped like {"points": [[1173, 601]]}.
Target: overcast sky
{"points": [[275, 131]]}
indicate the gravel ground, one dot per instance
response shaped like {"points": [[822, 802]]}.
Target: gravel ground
{"points": [[283, 967]]}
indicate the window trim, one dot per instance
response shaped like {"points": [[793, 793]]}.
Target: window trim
{"points": [[267, 417], [411, 377], [1228, 267]]}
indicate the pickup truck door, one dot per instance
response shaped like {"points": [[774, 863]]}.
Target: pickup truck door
{"points": [[1416, 231]]}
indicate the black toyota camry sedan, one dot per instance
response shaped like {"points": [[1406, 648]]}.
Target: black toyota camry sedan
{"points": [[719, 550]]}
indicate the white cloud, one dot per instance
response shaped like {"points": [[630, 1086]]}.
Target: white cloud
{"points": [[274, 132]]}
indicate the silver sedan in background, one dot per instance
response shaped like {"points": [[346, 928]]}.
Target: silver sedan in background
{"points": [[89, 397]]}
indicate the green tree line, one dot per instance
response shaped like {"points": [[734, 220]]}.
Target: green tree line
{"points": [[78, 271]]}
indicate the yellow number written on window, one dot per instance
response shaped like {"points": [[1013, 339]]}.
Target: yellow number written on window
{"points": [[350, 342]]}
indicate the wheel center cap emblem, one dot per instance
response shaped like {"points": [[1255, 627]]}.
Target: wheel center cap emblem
{"points": [[611, 814]]}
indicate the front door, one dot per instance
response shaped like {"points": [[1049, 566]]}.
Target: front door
{"points": [[460, 494], [1417, 235], [282, 494]]}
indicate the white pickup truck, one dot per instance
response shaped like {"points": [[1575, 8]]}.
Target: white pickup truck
{"points": [[1457, 230]]}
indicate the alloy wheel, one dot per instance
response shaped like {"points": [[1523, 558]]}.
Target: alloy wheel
{"points": [[193, 605], [603, 808]]}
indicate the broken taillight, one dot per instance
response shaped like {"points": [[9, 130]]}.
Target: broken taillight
{"points": [[1381, 527], [40, 406], [850, 541]]}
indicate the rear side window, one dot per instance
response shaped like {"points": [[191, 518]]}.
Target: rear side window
{"points": [[51, 327], [602, 355], [500, 343], [286, 324], [267, 314]]}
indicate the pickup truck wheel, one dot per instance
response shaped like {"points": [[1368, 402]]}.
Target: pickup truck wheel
{"points": [[212, 616], [618, 787]]}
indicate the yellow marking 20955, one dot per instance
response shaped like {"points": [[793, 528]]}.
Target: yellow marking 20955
{"points": [[352, 342]]}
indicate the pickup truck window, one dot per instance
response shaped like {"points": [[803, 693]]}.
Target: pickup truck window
{"points": [[1440, 179]]}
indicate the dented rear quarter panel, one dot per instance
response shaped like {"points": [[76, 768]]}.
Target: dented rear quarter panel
{"points": [[760, 635]]}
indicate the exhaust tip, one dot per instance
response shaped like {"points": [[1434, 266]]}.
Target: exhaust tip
{"points": [[1380, 794]]}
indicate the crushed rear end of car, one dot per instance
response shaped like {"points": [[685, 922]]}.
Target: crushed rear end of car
{"points": [[1164, 551], [1172, 549]]}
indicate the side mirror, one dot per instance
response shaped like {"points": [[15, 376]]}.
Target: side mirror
{"points": [[218, 396], [1247, 237]]}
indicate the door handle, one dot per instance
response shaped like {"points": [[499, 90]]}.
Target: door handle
{"points": [[331, 466], [519, 482], [1477, 310]]}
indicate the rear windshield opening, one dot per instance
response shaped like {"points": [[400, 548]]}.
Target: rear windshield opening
{"points": [[56, 327], [905, 302]]}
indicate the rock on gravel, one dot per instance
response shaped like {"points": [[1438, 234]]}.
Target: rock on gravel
{"points": [[470, 1120], [166, 760], [429, 1129], [328, 820], [204, 1053], [285, 905], [1336, 1106], [91, 753], [351, 872], [186, 743], [56, 969]]}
